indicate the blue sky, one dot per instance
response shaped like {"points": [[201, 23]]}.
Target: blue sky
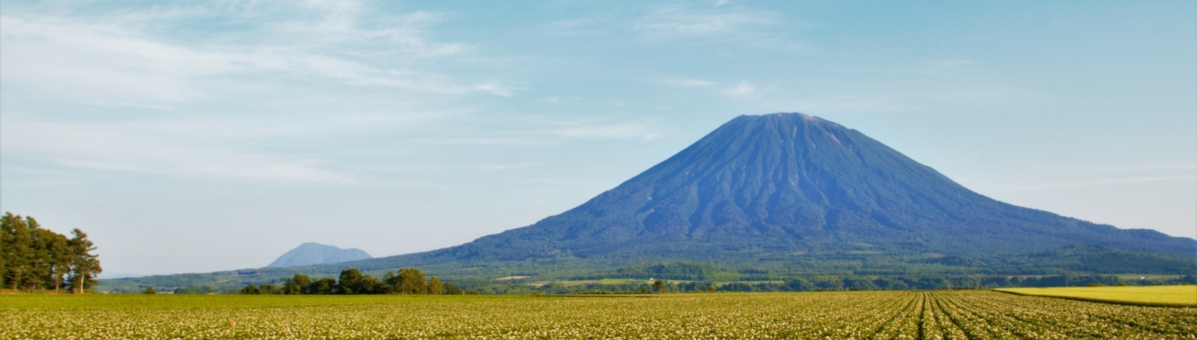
{"points": [[201, 136]]}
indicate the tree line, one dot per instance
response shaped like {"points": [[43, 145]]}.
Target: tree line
{"points": [[352, 281], [35, 258], [821, 283]]}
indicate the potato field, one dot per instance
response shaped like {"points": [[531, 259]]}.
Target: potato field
{"points": [[835, 315]]}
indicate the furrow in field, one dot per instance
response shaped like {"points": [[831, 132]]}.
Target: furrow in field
{"points": [[947, 327], [859, 315], [1160, 320], [895, 308], [976, 326], [848, 321], [903, 325], [1004, 319], [928, 323], [1049, 316]]}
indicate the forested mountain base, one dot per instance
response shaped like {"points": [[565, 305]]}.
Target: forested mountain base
{"points": [[843, 273], [835, 315]]}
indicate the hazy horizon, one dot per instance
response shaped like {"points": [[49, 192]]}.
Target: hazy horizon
{"points": [[196, 137]]}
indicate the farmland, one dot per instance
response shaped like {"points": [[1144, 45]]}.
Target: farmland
{"points": [[1140, 295], [881, 315]]}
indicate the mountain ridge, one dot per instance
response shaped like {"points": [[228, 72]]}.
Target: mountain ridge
{"points": [[312, 253]]}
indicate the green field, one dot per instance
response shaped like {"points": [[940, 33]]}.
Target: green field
{"points": [[1142, 295], [632, 281], [836, 315]]}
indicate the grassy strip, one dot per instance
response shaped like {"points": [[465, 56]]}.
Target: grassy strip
{"points": [[227, 301], [1110, 301]]}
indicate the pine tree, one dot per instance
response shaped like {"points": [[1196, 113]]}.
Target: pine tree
{"points": [[84, 264], [18, 252], [3, 253], [52, 259], [40, 264], [60, 250], [32, 257]]}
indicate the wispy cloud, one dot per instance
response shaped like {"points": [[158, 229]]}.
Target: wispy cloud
{"points": [[1098, 170], [1086, 183], [742, 89], [340, 22], [540, 131], [690, 82], [124, 57], [681, 21], [497, 167], [132, 105], [560, 100], [1039, 177], [494, 141], [604, 130], [722, 23], [102, 61], [949, 63], [930, 85], [577, 27], [210, 84], [125, 148]]}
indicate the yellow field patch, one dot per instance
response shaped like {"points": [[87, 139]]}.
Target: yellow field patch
{"points": [[1145, 295]]}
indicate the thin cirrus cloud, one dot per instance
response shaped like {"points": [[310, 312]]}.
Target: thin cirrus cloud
{"points": [[97, 65], [1055, 185], [501, 167], [1090, 170], [719, 24], [741, 89], [340, 22], [560, 131], [690, 82], [597, 130], [124, 148], [682, 21], [99, 61], [122, 58]]}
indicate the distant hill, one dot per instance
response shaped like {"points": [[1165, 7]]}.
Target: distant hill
{"points": [[789, 194], [314, 253]]}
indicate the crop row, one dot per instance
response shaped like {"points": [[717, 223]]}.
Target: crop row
{"points": [[847, 315]]}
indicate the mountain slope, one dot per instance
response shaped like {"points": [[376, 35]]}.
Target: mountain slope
{"points": [[795, 183], [787, 194], [314, 253]]}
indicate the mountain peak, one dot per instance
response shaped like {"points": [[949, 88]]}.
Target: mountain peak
{"points": [[310, 253], [791, 182]]}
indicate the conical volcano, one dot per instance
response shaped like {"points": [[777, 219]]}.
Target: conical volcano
{"points": [[793, 183], [781, 195]]}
